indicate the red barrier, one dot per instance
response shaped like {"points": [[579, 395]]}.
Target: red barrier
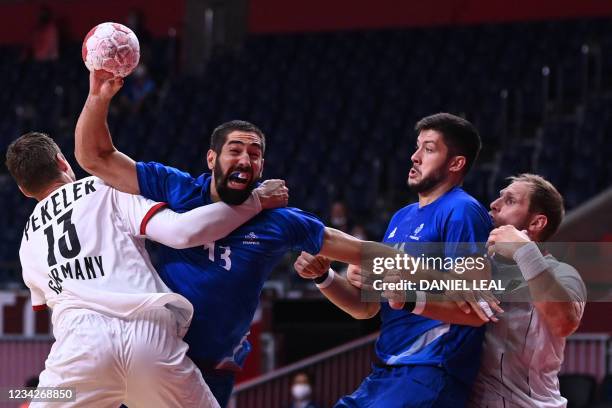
{"points": [[77, 17]]}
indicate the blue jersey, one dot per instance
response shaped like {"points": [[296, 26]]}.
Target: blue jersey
{"points": [[409, 339], [223, 280]]}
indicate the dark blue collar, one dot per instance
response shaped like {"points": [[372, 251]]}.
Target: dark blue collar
{"points": [[204, 180]]}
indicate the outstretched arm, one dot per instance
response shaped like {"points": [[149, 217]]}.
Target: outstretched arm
{"points": [[346, 248], [335, 287], [94, 149], [211, 222]]}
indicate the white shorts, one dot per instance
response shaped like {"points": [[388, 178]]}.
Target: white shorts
{"points": [[140, 362]]}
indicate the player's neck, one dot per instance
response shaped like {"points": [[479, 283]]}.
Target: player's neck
{"points": [[428, 197], [214, 195], [62, 181]]}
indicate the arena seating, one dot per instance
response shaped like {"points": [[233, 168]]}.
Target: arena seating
{"points": [[338, 109]]}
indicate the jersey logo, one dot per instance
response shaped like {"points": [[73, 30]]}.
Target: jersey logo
{"points": [[392, 234], [417, 230], [251, 239]]}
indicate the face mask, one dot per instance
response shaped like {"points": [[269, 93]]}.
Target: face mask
{"points": [[338, 221], [300, 391]]}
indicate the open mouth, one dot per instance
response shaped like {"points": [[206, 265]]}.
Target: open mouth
{"points": [[413, 172], [238, 179]]}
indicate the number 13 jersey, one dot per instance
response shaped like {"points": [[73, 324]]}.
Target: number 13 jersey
{"points": [[83, 247]]}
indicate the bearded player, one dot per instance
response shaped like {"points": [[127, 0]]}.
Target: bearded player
{"points": [[118, 328], [223, 280]]}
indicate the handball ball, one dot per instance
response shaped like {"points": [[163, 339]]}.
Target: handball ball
{"points": [[111, 47]]}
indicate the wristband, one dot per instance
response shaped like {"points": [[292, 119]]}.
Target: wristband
{"points": [[530, 261], [325, 280], [421, 300]]}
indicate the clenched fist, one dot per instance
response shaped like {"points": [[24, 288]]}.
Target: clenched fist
{"points": [[272, 194]]}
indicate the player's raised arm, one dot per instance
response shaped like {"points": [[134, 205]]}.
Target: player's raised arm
{"points": [[94, 149]]}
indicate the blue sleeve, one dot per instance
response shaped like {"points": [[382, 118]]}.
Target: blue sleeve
{"points": [[303, 231], [163, 183], [466, 230]]}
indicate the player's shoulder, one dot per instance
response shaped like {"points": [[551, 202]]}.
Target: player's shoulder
{"points": [[404, 211], [153, 168], [458, 202]]}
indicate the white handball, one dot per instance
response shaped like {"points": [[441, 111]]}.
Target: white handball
{"points": [[111, 47]]}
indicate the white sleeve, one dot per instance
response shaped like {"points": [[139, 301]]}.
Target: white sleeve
{"points": [[201, 225], [135, 210], [36, 294]]}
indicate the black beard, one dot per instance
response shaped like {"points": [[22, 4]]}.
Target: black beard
{"points": [[229, 195], [429, 182]]}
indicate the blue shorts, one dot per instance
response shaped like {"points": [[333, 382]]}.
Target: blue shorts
{"points": [[407, 387], [221, 386]]}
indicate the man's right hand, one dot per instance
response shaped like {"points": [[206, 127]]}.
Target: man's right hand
{"points": [[104, 84], [311, 266], [358, 278], [272, 194]]}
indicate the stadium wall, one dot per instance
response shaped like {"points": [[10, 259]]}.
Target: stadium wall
{"points": [[267, 16]]}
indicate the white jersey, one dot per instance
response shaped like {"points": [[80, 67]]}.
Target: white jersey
{"points": [[83, 247], [521, 357]]}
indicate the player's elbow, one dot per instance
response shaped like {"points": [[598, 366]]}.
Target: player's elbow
{"points": [[182, 239], [565, 326], [88, 162], [363, 313], [360, 315]]}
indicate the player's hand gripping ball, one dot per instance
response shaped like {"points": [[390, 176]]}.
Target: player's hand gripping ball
{"points": [[111, 47]]}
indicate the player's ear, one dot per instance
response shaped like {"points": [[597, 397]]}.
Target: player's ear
{"points": [[62, 163], [211, 156], [262, 167], [537, 224], [457, 164], [24, 192]]}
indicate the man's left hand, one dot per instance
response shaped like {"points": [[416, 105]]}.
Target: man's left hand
{"points": [[506, 240]]}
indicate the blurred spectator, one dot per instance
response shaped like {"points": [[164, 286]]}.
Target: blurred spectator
{"points": [[139, 89], [301, 392], [338, 216], [45, 38], [359, 231], [136, 21]]}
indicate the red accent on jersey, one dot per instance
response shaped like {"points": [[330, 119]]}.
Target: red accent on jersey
{"points": [[148, 215]]}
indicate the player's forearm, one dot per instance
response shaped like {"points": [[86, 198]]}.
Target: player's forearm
{"points": [[92, 137], [201, 225], [553, 302], [95, 152], [348, 249], [439, 307], [348, 298]]}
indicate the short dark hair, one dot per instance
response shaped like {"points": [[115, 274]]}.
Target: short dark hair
{"points": [[544, 199], [32, 161], [219, 135], [460, 135]]}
